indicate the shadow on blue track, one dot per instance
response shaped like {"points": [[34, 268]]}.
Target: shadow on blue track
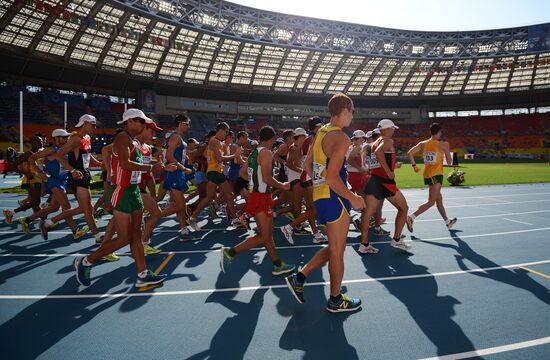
{"points": [[433, 313], [516, 277]]}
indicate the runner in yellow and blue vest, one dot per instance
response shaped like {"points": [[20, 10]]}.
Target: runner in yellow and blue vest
{"points": [[260, 204], [325, 164], [433, 150]]}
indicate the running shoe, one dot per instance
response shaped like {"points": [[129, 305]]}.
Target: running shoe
{"points": [[244, 221], [357, 224], [236, 222], [372, 222], [399, 245], [149, 250], [82, 271], [225, 260], [295, 287], [24, 225], [99, 240], [185, 235], [451, 223], [227, 214], [212, 210], [99, 212], [150, 279], [8, 216], [283, 269], [410, 224], [44, 205], [43, 229], [380, 232], [287, 232], [289, 215], [301, 231], [319, 238], [80, 232], [21, 202], [193, 223], [345, 304], [111, 257], [367, 249]]}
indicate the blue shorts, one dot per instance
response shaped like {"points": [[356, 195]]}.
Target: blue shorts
{"points": [[54, 182], [174, 180], [200, 177], [331, 209], [233, 174]]}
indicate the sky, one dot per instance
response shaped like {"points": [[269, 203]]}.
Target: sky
{"points": [[425, 15]]}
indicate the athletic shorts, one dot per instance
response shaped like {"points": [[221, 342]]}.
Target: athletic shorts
{"points": [[233, 174], [54, 182], [174, 180], [260, 203], [215, 177], [293, 183], [332, 209], [84, 182], [142, 190], [126, 200], [357, 180], [104, 175], [200, 177], [240, 184], [381, 188], [434, 180]]}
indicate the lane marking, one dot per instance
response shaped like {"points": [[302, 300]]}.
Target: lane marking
{"points": [[493, 350], [252, 288], [302, 246], [158, 269], [519, 222], [535, 272]]}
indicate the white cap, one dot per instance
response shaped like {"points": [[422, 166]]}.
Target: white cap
{"points": [[134, 113], [254, 143], [60, 132], [358, 134], [376, 131], [300, 131], [86, 118], [386, 124], [369, 134]]}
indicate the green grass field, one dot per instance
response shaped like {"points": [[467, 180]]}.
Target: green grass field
{"points": [[476, 174]]}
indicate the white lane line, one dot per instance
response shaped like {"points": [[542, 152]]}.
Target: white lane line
{"points": [[391, 209], [493, 350], [205, 251], [251, 288], [519, 222]]}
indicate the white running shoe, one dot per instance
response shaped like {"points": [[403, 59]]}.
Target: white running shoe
{"points": [[369, 249], [193, 223], [319, 237], [451, 223], [287, 232], [400, 245]]}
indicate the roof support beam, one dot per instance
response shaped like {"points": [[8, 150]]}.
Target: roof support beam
{"points": [[238, 56], [355, 73], [123, 20], [140, 44], [43, 30], [198, 39], [214, 58], [173, 37], [81, 29], [282, 63], [392, 73], [335, 72], [380, 65]]}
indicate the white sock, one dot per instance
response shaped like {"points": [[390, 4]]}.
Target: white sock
{"points": [[447, 221], [142, 274], [98, 236], [412, 216], [85, 262]]}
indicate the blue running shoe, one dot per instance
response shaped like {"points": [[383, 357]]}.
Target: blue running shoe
{"points": [[225, 260], [82, 271], [345, 304], [295, 287], [283, 269], [150, 279]]}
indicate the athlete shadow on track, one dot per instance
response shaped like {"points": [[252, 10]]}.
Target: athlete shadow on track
{"points": [[432, 312], [515, 277], [45, 323]]}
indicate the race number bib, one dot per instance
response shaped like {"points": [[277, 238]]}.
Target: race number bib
{"points": [[135, 178], [147, 159], [318, 178], [86, 160], [430, 157], [373, 162], [250, 179]]}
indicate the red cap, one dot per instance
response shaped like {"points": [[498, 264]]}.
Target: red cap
{"points": [[153, 126]]}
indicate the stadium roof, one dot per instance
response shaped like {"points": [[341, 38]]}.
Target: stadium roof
{"points": [[226, 46]]}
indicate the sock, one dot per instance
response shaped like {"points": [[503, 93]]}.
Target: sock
{"points": [[85, 262], [447, 221], [396, 240], [98, 236], [300, 277], [142, 274], [277, 263], [27, 220], [232, 252], [377, 228], [412, 216], [336, 299]]}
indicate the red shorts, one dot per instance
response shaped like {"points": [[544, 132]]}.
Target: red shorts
{"points": [[258, 203], [357, 180]]}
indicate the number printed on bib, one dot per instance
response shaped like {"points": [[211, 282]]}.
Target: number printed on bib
{"points": [[430, 157], [86, 160], [318, 178], [374, 164], [135, 178]]}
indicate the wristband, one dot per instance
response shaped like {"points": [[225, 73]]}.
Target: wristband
{"points": [[413, 165]]}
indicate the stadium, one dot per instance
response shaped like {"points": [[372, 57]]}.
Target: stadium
{"points": [[479, 291]]}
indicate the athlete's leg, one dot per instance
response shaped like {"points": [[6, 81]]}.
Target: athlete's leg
{"points": [[400, 203], [434, 192]]}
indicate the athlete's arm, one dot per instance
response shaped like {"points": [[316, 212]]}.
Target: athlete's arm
{"points": [[121, 147], [72, 144], [413, 151], [293, 158], [94, 161], [278, 154], [385, 145], [174, 142], [106, 155], [308, 162], [39, 155], [446, 149], [265, 160], [215, 146], [335, 145]]}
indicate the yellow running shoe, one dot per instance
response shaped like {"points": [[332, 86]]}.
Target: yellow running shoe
{"points": [[111, 257], [79, 232], [8, 215], [149, 250], [24, 225]]}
